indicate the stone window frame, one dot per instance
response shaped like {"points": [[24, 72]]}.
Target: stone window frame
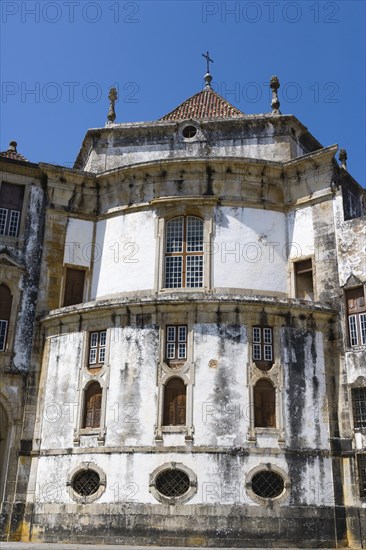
{"points": [[173, 500], [165, 214], [11, 276], [267, 467], [86, 377], [185, 372], [90, 498], [275, 376], [6, 239], [298, 260]]}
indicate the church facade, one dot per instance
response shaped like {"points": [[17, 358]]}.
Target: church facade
{"points": [[183, 336]]}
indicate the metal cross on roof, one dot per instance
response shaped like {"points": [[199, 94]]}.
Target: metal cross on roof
{"points": [[208, 60]]}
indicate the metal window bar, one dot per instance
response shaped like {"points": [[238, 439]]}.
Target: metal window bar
{"points": [[86, 483], [361, 464], [359, 407], [267, 484], [172, 483]]}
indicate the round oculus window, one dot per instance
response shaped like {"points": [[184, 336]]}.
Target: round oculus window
{"points": [[267, 484], [86, 483], [189, 131], [172, 483]]}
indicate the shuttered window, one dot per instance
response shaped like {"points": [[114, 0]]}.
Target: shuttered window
{"points": [[264, 405], [356, 316], [5, 312], [11, 202], [74, 286], [174, 403], [93, 406]]}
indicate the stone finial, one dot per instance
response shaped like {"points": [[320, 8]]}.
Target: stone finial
{"points": [[208, 80], [343, 158], [275, 103], [13, 146], [111, 117]]}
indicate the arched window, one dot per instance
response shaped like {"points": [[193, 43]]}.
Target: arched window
{"points": [[5, 311], [174, 403], [184, 252], [264, 405], [92, 406]]}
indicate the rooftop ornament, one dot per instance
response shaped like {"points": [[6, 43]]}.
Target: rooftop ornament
{"points": [[111, 117], [207, 77], [275, 103], [343, 158]]}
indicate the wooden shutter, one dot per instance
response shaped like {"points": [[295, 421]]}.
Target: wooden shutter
{"points": [[5, 303], [74, 286], [264, 405], [175, 403], [355, 300], [93, 406]]}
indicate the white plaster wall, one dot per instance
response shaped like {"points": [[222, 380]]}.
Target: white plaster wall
{"points": [[311, 428], [220, 479], [132, 393], [58, 416], [300, 233], [249, 250], [220, 395], [79, 242], [125, 254]]}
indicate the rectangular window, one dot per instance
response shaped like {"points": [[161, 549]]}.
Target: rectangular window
{"points": [[11, 203], [74, 287], [176, 343], [263, 347], [361, 466], [356, 314], [184, 252], [304, 280], [359, 407], [3, 333], [97, 344]]}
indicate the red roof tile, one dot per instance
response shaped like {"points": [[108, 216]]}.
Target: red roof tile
{"points": [[205, 104], [12, 154]]}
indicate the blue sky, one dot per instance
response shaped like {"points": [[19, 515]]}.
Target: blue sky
{"points": [[59, 58]]}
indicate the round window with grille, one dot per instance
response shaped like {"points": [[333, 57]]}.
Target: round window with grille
{"points": [[172, 483], [86, 483], [267, 484]]}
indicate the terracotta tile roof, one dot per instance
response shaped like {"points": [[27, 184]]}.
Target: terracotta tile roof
{"points": [[205, 104], [12, 153]]}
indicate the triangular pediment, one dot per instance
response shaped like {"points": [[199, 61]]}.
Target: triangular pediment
{"points": [[7, 261], [353, 281]]}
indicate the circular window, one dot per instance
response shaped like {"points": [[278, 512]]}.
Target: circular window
{"points": [[172, 483], [189, 131], [267, 484], [86, 483]]}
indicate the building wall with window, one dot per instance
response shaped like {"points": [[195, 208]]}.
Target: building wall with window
{"points": [[198, 350]]}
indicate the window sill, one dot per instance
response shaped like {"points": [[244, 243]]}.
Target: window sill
{"points": [[174, 429], [267, 431]]}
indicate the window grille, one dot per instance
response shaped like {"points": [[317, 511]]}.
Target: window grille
{"points": [[172, 483], [86, 483], [267, 484], [359, 407], [361, 465]]}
